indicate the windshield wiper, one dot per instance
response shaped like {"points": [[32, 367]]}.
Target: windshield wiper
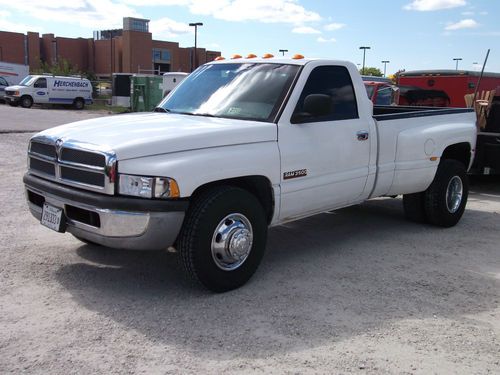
{"points": [[203, 114], [161, 109]]}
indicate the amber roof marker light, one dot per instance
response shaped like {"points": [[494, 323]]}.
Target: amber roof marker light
{"points": [[236, 56], [298, 56], [268, 56]]}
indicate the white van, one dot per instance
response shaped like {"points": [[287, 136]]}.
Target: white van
{"points": [[46, 89], [172, 79]]}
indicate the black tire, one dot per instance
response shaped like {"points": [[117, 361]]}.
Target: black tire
{"points": [[195, 242], [440, 210], [79, 103], [26, 101], [414, 207]]}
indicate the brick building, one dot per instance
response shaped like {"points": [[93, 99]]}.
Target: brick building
{"points": [[128, 50]]}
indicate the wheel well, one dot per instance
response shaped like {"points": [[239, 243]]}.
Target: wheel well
{"points": [[259, 186], [458, 151]]}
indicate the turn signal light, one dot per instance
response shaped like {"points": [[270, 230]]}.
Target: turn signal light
{"points": [[267, 56]]}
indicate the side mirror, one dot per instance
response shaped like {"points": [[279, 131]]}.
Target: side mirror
{"points": [[315, 105]]}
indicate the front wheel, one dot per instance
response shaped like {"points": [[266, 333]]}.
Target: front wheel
{"points": [[26, 101], [223, 238], [446, 197]]}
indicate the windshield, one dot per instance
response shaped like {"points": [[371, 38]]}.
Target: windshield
{"points": [[241, 91], [27, 81]]}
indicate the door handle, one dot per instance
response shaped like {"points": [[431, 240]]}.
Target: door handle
{"points": [[362, 135]]}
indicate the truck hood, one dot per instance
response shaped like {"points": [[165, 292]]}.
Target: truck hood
{"points": [[14, 88], [145, 134]]}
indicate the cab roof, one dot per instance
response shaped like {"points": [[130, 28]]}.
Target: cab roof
{"points": [[276, 60]]}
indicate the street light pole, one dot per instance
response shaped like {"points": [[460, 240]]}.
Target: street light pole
{"points": [[283, 51], [385, 62], [364, 48], [195, 63], [457, 59]]}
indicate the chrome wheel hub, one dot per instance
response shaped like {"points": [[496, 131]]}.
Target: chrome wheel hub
{"points": [[232, 242], [454, 194]]}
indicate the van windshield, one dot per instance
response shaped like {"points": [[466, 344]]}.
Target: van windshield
{"points": [[242, 91], [27, 81]]}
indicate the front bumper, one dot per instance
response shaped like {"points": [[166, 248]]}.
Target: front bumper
{"points": [[118, 222], [11, 99]]}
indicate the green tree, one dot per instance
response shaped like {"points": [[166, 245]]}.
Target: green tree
{"points": [[371, 71]]}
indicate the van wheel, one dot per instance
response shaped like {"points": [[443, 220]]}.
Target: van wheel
{"points": [[223, 238], [79, 103], [446, 197], [26, 101]]}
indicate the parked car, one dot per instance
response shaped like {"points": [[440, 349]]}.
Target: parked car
{"points": [[3, 85], [382, 93], [237, 147], [46, 89]]}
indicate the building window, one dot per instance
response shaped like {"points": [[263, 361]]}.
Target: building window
{"points": [[165, 55], [161, 55], [139, 25]]}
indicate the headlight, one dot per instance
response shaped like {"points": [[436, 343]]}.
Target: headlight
{"points": [[148, 187]]}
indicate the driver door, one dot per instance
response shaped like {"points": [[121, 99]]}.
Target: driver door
{"points": [[40, 91], [325, 152]]}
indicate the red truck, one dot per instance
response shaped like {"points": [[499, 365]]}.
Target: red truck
{"points": [[455, 83]]}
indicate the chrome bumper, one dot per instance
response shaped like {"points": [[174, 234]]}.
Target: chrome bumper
{"points": [[134, 229]]}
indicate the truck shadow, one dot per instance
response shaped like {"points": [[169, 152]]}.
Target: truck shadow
{"points": [[323, 279]]}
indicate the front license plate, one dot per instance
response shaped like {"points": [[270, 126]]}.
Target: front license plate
{"points": [[52, 217]]}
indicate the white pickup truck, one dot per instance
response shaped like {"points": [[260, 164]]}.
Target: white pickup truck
{"points": [[237, 147]]}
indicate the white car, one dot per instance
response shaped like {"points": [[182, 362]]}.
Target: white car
{"points": [[237, 147], [47, 89]]}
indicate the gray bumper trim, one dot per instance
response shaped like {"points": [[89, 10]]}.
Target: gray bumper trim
{"points": [[123, 229]]}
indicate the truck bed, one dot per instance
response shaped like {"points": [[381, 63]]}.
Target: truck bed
{"points": [[384, 113]]}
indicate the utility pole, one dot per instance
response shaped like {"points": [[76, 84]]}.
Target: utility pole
{"points": [[364, 48], [385, 62], [195, 57], [457, 59]]}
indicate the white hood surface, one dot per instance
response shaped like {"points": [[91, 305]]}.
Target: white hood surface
{"points": [[145, 134]]}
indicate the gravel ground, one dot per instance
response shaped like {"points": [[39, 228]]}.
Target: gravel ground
{"points": [[37, 118], [357, 291]]}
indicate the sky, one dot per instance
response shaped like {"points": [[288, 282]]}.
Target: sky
{"points": [[411, 34]]}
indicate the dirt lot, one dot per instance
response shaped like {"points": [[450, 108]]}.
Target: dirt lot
{"points": [[358, 291], [37, 118]]}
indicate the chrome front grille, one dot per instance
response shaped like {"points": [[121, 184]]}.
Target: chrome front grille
{"points": [[73, 163]]}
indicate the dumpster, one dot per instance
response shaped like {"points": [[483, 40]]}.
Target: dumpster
{"points": [[146, 91]]}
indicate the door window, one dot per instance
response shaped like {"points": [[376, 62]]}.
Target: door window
{"points": [[3, 82], [327, 96], [41, 83]]}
